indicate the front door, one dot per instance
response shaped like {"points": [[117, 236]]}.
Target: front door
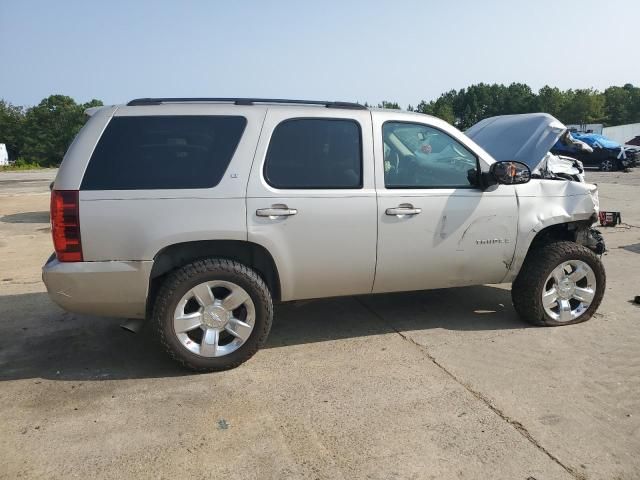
{"points": [[311, 200], [435, 228]]}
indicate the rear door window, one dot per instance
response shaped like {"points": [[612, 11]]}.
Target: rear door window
{"points": [[163, 152], [307, 153]]}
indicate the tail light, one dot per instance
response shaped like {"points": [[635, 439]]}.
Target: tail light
{"points": [[65, 225]]}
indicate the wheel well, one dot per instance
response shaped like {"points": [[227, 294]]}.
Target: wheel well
{"points": [[561, 231], [250, 254]]}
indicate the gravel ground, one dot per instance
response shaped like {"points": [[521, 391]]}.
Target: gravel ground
{"points": [[437, 384]]}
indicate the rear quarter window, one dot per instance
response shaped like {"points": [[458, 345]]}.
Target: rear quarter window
{"points": [[163, 152]]}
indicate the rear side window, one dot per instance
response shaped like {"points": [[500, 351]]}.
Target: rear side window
{"points": [[315, 153], [167, 152]]}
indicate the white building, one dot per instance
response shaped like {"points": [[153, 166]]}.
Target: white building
{"points": [[4, 155], [622, 133]]}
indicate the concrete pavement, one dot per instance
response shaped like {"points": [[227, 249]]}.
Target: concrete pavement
{"points": [[437, 384]]}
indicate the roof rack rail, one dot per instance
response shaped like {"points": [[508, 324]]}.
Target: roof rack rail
{"points": [[246, 101]]}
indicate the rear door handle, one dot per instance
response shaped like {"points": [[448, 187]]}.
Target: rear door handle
{"points": [[402, 210], [276, 212]]}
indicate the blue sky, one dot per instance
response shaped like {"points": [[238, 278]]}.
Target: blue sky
{"points": [[344, 50]]}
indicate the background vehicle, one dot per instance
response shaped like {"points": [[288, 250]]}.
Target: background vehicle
{"points": [[607, 155], [199, 213]]}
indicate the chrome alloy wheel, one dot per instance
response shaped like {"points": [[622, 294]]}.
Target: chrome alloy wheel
{"points": [[569, 290], [214, 318]]}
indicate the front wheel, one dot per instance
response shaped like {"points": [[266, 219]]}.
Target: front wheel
{"points": [[213, 314], [607, 165], [560, 283]]}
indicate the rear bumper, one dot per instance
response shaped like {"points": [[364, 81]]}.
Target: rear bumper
{"points": [[113, 289]]}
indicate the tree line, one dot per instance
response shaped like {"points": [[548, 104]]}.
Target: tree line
{"points": [[467, 106], [41, 134]]}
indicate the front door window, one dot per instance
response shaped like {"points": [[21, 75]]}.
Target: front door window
{"points": [[418, 156]]}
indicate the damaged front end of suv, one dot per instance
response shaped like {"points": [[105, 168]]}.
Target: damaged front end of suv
{"points": [[557, 204]]}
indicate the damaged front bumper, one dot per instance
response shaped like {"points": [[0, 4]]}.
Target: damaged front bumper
{"points": [[592, 239]]}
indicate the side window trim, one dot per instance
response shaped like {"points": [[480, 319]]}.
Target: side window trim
{"points": [[354, 121], [429, 187]]}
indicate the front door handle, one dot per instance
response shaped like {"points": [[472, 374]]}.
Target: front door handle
{"points": [[276, 212], [403, 210]]}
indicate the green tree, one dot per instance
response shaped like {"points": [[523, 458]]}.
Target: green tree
{"points": [[622, 104], [583, 106], [11, 127], [519, 99], [441, 108], [444, 110], [550, 100], [477, 102], [634, 103], [50, 127], [426, 108], [389, 105], [469, 105]]}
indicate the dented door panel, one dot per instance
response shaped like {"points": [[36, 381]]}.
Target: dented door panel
{"points": [[461, 237]]}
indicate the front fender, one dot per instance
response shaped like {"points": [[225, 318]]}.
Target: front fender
{"points": [[545, 203]]}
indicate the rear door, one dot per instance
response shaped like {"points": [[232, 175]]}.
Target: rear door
{"points": [[311, 200]]}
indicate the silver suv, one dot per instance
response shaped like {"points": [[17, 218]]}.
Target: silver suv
{"points": [[199, 213]]}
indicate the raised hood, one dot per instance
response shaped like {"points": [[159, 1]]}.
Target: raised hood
{"points": [[527, 137]]}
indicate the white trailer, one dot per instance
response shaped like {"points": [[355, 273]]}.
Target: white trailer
{"points": [[4, 155]]}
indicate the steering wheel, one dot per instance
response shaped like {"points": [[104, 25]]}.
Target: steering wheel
{"points": [[457, 150], [462, 164]]}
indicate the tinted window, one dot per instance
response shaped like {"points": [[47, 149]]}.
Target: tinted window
{"points": [[418, 156], [163, 152], [315, 153]]}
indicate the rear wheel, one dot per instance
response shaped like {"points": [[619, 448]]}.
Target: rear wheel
{"points": [[560, 283], [213, 314]]}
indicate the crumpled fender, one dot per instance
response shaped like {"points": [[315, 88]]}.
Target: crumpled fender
{"points": [[543, 203]]}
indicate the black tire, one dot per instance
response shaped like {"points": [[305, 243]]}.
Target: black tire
{"points": [[181, 281], [607, 165], [526, 291]]}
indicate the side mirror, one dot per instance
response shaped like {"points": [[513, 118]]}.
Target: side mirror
{"points": [[510, 173]]}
